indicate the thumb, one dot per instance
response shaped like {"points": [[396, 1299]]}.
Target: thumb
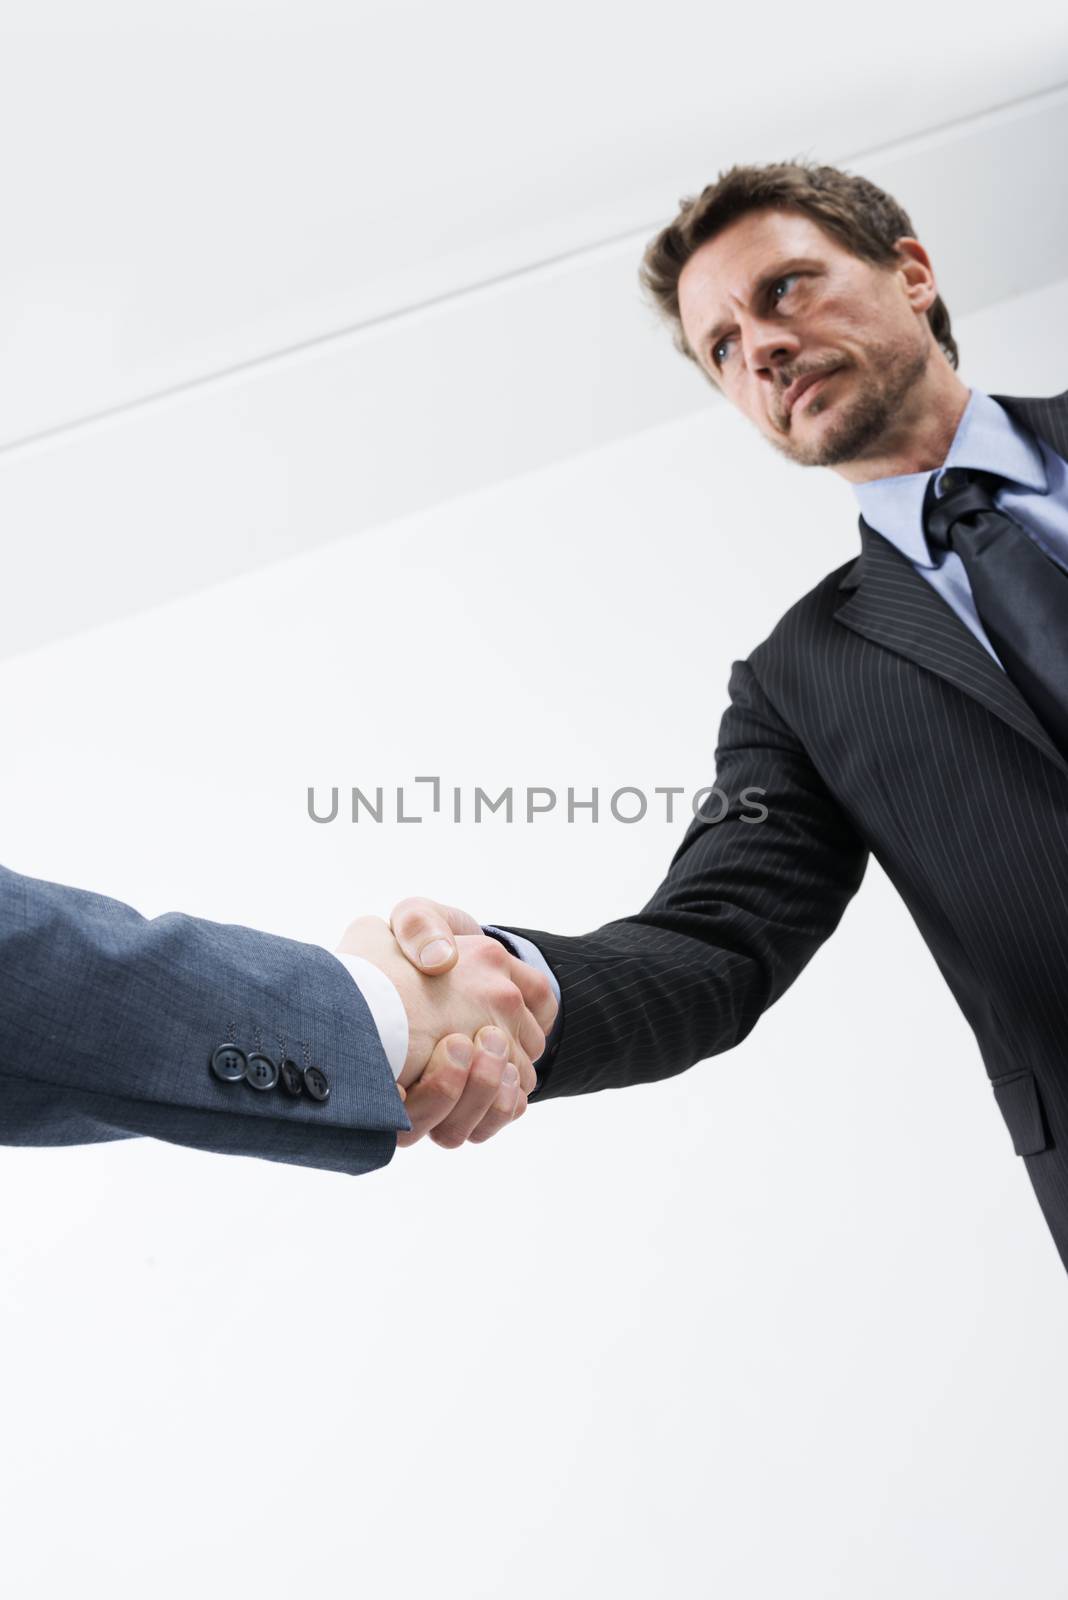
{"points": [[425, 932]]}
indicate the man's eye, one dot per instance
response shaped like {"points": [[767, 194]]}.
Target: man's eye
{"points": [[718, 349]]}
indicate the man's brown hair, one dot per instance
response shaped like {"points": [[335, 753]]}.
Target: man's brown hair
{"points": [[855, 211]]}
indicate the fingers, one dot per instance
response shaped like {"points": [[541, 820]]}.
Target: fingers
{"points": [[490, 973], [427, 933], [507, 1105], [540, 999], [468, 1090], [491, 1090], [496, 1119], [433, 938], [513, 1013], [424, 930], [433, 1095]]}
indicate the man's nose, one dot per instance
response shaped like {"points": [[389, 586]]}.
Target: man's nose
{"points": [[769, 346]]}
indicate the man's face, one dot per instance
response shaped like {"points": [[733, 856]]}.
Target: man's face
{"points": [[773, 299]]}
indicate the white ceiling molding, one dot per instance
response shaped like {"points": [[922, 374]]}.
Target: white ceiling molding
{"points": [[339, 435], [197, 184]]}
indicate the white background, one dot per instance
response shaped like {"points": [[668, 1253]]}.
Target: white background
{"points": [[789, 1323]]}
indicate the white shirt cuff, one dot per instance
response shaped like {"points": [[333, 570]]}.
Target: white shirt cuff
{"points": [[385, 1005]]}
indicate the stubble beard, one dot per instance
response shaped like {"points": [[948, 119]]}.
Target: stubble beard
{"points": [[863, 417]]}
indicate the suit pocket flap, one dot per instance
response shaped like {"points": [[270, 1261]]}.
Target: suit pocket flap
{"points": [[1017, 1097]]}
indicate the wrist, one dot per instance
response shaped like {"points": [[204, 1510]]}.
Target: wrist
{"points": [[384, 1002]]}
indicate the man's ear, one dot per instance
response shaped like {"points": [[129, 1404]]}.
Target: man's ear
{"points": [[917, 272]]}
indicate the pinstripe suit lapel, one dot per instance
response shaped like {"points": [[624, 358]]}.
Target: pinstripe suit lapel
{"points": [[1048, 417], [894, 607]]}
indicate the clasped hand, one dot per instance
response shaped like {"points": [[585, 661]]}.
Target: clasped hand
{"points": [[477, 1019]]}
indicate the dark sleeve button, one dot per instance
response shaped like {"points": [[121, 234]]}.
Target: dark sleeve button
{"points": [[262, 1072], [291, 1077], [229, 1063], [316, 1083]]}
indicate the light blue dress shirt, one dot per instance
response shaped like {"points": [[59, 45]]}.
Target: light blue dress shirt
{"points": [[1036, 497]]}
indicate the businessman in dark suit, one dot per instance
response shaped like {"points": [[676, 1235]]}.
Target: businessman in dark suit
{"points": [[914, 704]]}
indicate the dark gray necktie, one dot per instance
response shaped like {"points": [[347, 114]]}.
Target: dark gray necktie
{"points": [[1021, 595]]}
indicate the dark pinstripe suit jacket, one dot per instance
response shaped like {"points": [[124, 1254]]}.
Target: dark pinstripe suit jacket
{"points": [[875, 721]]}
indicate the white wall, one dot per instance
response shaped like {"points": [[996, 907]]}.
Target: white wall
{"points": [[734, 1334]]}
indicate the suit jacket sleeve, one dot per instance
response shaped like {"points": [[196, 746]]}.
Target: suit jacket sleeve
{"points": [[744, 906], [108, 1022]]}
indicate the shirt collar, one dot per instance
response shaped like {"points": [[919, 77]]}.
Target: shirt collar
{"points": [[986, 438]]}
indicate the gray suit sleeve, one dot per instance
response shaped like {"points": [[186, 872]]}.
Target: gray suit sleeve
{"points": [[108, 1022]]}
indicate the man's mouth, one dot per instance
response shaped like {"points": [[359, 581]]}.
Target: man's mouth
{"points": [[801, 387]]}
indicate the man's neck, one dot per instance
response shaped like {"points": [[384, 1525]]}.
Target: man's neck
{"points": [[922, 434]]}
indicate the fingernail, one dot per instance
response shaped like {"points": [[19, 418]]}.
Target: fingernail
{"points": [[510, 1075], [460, 1051], [493, 1040], [434, 953]]}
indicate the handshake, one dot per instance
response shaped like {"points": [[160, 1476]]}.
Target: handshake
{"points": [[477, 1019]]}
